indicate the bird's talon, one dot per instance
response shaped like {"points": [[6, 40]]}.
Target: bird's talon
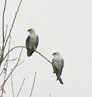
{"points": [[59, 71], [31, 48]]}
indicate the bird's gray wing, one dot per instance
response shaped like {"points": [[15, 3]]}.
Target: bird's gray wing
{"points": [[58, 77], [62, 63], [37, 41], [53, 66], [52, 61], [27, 41], [29, 52]]}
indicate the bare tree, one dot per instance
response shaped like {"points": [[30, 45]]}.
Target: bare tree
{"points": [[4, 57]]}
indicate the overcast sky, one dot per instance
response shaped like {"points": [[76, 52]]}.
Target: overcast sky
{"points": [[62, 25]]}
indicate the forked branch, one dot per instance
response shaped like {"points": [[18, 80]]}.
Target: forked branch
{"points": [[12, 24], [33, 85]]}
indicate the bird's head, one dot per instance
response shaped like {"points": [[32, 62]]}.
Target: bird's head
{"points": [[56, 54], [31, 30]]}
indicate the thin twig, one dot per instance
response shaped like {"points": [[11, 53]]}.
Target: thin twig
{"points": [[4, 43], [3, 24], [14, 66], [33, 85], [20, 87], [50, 94], [12, 59], [6, 31], [43, 56], [13, 23], [5, 68], [17, 64], [6, 63], [12, 50], [25, 47], [3, 38], [12, 85], [1, 73], [0, 51]]}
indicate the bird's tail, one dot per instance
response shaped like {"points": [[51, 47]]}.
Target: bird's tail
{"points": [[60, 80], [29, 52], [58, 77]]}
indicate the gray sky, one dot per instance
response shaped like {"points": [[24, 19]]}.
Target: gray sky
{"points": [[64, 26]]}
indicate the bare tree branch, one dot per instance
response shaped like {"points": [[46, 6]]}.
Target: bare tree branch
{"points": [[22, 48], [4, 42], [0, 52], [43, 56], [12, 59], [1, 72], [33, 85], [12, 85], [6, 31], [3, 24], [21, 87], [50, 94], [5, 67], [25, 47], [17, 64], [3, 38], [12, 50], [13, 23]]}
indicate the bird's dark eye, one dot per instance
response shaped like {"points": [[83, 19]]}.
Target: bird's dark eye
{"points": [[54, 53], [29, 29]]}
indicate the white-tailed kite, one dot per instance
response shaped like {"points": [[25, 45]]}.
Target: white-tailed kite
{"points": [[31, 42], [58, 64]]}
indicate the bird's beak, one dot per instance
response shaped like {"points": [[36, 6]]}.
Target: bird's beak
{"points": [[29, 30], [53, 54]]}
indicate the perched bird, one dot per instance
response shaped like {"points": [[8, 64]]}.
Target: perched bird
{"points": [[58, 64], [31, 42]]}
